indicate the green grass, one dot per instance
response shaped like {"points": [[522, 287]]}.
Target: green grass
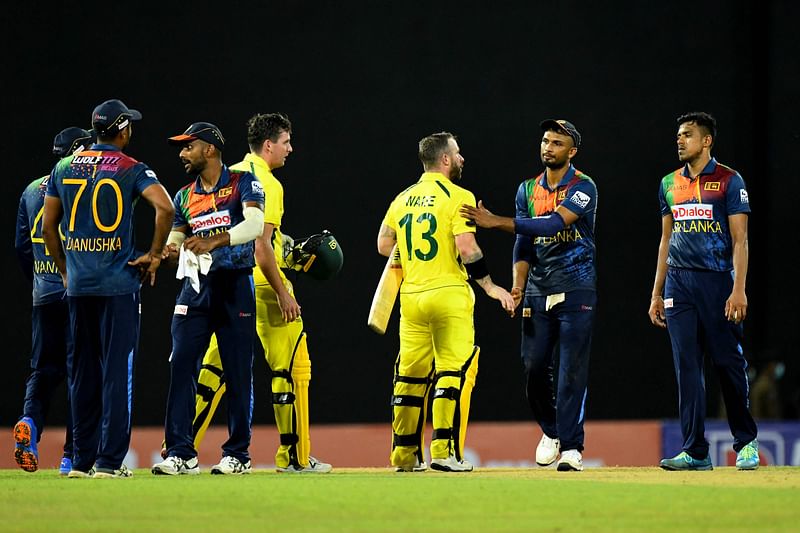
{"points": [[350, 499]]}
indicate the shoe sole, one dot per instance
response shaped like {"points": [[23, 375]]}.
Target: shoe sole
{"points": [[698, 468], [566, 467], [546, 464], [23, 453], [157, 472], [221, 473], [442, 468]]}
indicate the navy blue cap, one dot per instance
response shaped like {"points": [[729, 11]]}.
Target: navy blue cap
{"points": [[71, 140], [112, 116], [563, 126], [205, 131]]}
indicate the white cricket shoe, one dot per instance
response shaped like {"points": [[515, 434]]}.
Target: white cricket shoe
{"points": [[231, 465], [547, 450], [451, 464], [570, 460], [174, 466], [314, 467], [122, 471]]}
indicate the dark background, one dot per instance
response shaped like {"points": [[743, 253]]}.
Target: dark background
{"points": [[362, 83]]}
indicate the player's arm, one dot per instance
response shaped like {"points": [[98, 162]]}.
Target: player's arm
{"points": [[736, 305], [656, 311], [472, 257], [387, 238], [523, 257], [545, 226], [22, 240], [155, 195], [53, 212], [265, 259], [245, 231]]}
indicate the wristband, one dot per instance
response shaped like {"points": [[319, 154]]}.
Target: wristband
{"points": [[478, 269]]}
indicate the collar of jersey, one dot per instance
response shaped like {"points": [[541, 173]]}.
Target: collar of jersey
{"points": [[224, 178], [256, 160], [710, 168], [568, 176], [433, 176]]}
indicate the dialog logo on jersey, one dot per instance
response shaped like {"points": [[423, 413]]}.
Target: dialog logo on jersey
{"points": [[693, 212], [210, 221]]}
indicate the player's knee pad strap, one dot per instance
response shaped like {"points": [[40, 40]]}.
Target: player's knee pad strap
{"points": [[405, 440], [448, 393], [442, 433], [282, 398], [404, 400], [288, 439]]}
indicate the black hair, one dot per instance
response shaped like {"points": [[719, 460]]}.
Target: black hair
{"points": [[261, 127]]}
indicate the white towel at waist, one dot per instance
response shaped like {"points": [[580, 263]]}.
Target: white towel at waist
{"points": [[191, 265]]}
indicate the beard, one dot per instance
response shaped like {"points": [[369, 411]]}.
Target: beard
{"points": [[193, 168], [455, 173]]}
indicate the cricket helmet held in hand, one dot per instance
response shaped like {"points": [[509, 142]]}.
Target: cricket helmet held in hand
{"points": [[319, 256]]}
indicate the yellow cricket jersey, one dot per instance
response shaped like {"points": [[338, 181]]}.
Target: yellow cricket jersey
{"points": [[426, 219], [273, 208]]}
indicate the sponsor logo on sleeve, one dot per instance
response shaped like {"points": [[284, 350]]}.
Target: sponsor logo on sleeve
{"points": [[151, 174], [257, 187], [581, 199], [217, 219], [743, 198], [693, 212]]}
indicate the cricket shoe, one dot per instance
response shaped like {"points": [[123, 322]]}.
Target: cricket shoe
{"points": [[25, 452], [175, 466], [122, 471], [416, 467], [547, 450], [747, 458], [65, 466], [77, 474], [314, 467], [684, 461], [231, 465], [570, 460], [451, 464]]}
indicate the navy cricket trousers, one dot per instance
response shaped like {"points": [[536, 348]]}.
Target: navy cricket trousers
{"points": [[105, 332], [561, 335], [694, 302], [226, 307]]}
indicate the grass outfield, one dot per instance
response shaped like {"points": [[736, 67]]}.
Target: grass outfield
{"points": [[370, 499]]}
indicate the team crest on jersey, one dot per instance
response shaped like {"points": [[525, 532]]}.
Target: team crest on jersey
{"points": [[581, 199], [711, 186], [693, 212], [561, 195], [743, 198], [210, 221], [222, 193]]}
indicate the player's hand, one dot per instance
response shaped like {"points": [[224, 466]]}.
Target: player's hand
{"points": [[736, 307], [200, 245], [147, 264], [517, 293], [506, 300], [290, 309], [480, 215], [168, 250], [656, 312]]}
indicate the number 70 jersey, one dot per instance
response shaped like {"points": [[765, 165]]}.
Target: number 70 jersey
{"points": [[98, 190], [426, 218]]}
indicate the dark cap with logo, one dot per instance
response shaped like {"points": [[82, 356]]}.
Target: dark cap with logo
{"points": [[112, 116], [205, 131], [568, 128], [72, 139]]}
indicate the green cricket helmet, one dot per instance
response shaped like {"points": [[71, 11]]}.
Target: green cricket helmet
{"points": [[319, 256]]}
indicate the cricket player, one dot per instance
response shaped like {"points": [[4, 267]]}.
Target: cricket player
{"points": [[95, 192], [278, 321], [220, 213], [51, 337], [699, 291], [438, 254]]}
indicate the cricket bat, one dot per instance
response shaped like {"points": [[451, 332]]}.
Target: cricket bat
{"points": [[386, 293]]}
